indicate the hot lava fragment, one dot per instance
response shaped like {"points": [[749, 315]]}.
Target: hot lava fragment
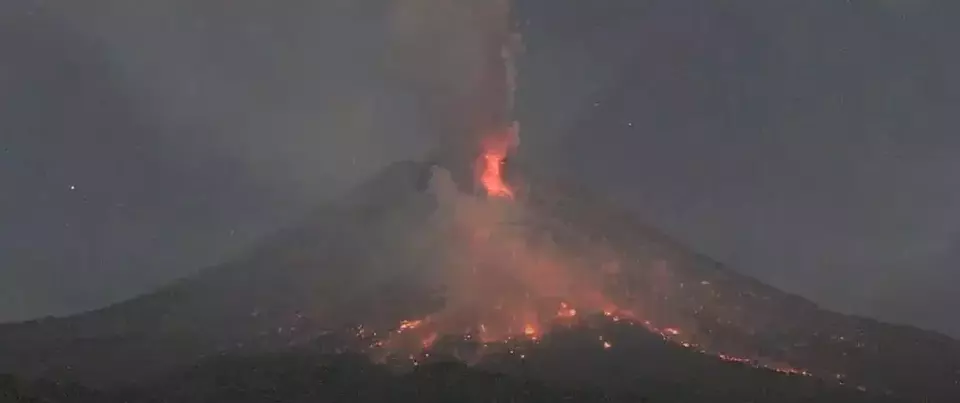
{"points": [[491, 161]]}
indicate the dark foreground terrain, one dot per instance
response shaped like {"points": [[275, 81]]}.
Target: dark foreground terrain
{"points": [[569, 364]]}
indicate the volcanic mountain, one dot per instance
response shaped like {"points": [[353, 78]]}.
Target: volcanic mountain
{"points": [[364, 274], [524, 276]]}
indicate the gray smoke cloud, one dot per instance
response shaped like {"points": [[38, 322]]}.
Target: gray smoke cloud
{"points": [[455, 54], [298, 93], [152, 139], [313, 96]]}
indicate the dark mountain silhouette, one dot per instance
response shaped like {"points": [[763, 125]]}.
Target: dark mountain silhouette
{"points": [[311, 285]]}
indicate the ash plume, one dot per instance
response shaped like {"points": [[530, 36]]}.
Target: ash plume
{"points": [[502, 277], [456, 55]]}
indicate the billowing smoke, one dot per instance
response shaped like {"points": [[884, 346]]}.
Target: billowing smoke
{"points": [[502, 274], [455, 55]]}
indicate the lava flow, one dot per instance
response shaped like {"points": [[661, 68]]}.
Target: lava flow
{"points": [[505, 277], [505, 285], [503, 280]]}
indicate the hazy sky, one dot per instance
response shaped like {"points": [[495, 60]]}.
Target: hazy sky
{"points": [[812, 144]]}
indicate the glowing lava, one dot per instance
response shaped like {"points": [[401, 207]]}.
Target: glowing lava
{"points": [[505, 280], [410, 324], [491, 177], [567, 312], [491, 161]]}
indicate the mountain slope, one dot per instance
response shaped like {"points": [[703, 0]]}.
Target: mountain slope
{"points": [[292, 279], [737, 314]]}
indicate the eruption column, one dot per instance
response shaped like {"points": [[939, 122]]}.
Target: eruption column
{"points": [[458, 56]]}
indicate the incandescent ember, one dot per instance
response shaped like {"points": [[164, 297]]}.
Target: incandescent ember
{"points": [[506, 279], [504, 289]]}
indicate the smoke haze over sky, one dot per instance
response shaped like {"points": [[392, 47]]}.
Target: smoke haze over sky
{"points": [[811, 145]]}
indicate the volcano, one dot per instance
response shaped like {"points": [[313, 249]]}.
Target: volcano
{"points": [[466, 271], [360, 276]]}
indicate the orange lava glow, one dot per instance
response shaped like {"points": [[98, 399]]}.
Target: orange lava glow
{"points": [[501, 282], [410, 324], [425, 334], [491, 177], [506, 281], [566, 311], [490, 163]]}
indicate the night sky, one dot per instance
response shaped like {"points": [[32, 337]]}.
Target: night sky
{"points": [[812, 144]]}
